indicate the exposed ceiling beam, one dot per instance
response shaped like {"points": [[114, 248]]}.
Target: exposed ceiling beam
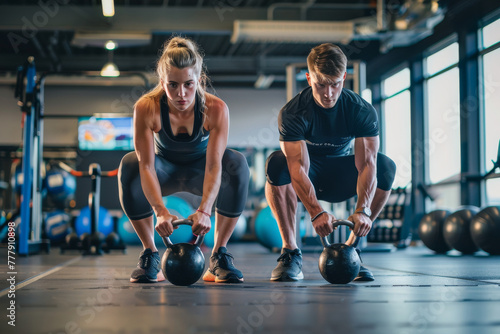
{"points": [[93, 79], [216, 19], [216, 65]]}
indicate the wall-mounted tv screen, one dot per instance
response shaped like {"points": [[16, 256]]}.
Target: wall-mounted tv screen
{"points": [[105, 133]]}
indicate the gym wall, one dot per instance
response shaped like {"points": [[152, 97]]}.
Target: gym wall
{"points": [[253, 113]]}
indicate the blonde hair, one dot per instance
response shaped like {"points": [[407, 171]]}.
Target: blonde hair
{"points": [[181, 53], [326, 61]]}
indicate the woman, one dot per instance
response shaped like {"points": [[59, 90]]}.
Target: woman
{"points": [[180, 138]]}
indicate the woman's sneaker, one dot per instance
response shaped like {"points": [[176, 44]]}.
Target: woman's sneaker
{"points": [[222, 269], [147, 268], [289, 266]]}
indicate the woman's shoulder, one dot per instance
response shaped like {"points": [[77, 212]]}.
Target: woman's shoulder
{"points": [[147, 111], [215, 105], [145, 104]]}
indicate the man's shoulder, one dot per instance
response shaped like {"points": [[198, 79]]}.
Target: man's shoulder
{"points": [[300, 103], [353, 98]]}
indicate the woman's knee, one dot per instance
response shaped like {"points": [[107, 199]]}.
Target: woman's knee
{"points": [[235, 167], [129, 168]]}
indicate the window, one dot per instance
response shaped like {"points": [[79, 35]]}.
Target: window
{"points": [[490, 34], [443, 114], [441, 59], [396, 83], [397, 124], [491, 103]]}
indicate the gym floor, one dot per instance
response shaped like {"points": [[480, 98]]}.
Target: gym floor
{"points": [[415, 291]]}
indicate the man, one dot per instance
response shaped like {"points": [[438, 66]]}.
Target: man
{"points": [[316, 129]]}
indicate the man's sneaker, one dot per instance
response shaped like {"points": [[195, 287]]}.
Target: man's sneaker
{"points": [[147, 268], [221, 268], [289, 266], [364, 275]]}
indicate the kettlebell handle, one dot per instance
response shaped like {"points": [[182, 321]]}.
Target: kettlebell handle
{"points": [[177, 222], [337, 223]]}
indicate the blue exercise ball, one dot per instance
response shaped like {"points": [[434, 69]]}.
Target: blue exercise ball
{"points": [[209, 239], [267, 231], [61, 187], [238, 232], [82, 223], [126, 231], [179, 207], [176, 206], [57, 225], [17, 182], [240, 229]]}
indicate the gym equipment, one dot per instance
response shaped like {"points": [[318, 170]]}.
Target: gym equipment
{"points": [[183, 263], [72, 240], [83, 222], [267, 231], [176, 206], [57, 226], [112, 240], [61, 187], [496, 164], [3, 227], [430, 230], [210, 236], [30, 99], [86, 241], [17, 179], [392, 224], [127, 232], [179, 207], [456, 230], [240, 229], [339, 263], [92, 244], [485, 229], [12, 216]]}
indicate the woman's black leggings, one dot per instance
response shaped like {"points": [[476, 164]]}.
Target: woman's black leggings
{"points": [[188, 177]]}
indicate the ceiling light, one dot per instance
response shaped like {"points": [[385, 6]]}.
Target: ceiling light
{"points": [[292, 31], [110, 45], [110, 70], [84, 39], [264, 81], [108, 8]]}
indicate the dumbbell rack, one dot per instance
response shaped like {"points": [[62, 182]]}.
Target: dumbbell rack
{"points": [[390, 226]]}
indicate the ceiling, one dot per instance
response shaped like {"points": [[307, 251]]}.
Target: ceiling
{"points": [[67, 36]]}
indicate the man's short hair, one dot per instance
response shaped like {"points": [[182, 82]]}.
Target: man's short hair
{"points": [[327, 60]]}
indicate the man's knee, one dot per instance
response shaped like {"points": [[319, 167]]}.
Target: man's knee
{"points": [[277, 169], [386, 172]]}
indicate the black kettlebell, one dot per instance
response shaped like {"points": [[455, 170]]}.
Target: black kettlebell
{"points": [[183, 263], [339, 263]]}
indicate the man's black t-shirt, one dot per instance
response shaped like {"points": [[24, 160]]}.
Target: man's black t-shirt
{"points": [[327, 131]]}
